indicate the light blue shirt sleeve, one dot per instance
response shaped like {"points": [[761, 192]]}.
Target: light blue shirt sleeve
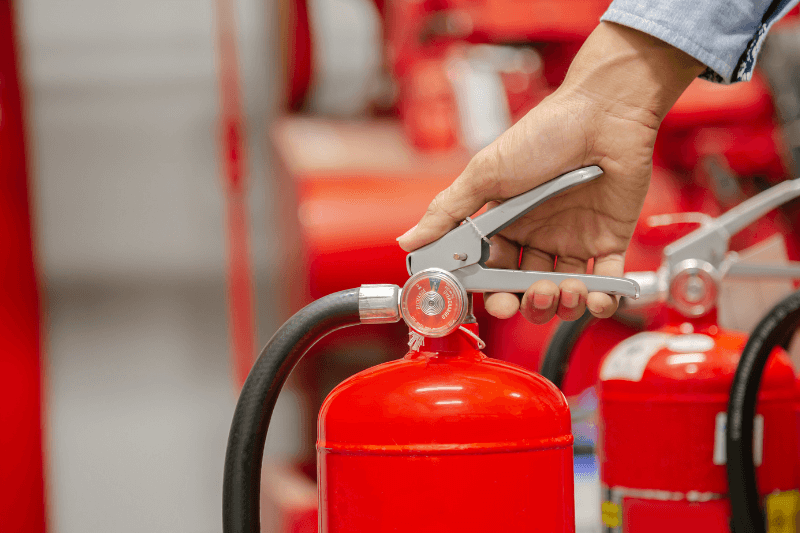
{"points": [[725, 35]]}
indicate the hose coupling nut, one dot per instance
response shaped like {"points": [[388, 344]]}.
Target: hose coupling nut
{"points": [[379, 304]]}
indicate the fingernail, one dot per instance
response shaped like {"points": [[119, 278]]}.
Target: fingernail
{"points": [[569, 299], [542, 301], [406, 234], [596, 310]]}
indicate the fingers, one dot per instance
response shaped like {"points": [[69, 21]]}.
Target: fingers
{"points": [[466, 195], [572, 302], [503, 254], [540, 301], [601, 304], [501, 304], [543, 300]]}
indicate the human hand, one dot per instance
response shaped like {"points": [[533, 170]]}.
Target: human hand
{"points": [[606, 113]]}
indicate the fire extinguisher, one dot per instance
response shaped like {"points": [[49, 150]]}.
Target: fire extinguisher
{"points": [[444, 439], [775, 329], [673, 451]]}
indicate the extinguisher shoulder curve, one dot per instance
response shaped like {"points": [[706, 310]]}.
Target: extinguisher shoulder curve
{"points": [[673, 388], [441, 405], [666, 362]]}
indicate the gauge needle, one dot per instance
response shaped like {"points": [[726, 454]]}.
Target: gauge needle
{"points": [[434, 283]]}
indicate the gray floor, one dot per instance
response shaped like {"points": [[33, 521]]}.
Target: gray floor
{"points": [[139, 404]]}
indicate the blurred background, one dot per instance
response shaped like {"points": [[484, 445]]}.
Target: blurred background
{"points": [[198, 171], [128, 208]]}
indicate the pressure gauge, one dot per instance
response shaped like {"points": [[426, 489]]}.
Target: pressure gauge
{"points": [[434, 303]]}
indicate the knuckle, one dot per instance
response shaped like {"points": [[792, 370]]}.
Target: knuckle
{"points": [[436, 207], [481, 176]]}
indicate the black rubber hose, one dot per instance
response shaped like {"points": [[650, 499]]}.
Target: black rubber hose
{"points": [[241, 489], [556, 358], [775, 329]]}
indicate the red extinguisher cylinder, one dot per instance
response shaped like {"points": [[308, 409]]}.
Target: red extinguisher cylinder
{"points": [[663, 412], [445, 439]]}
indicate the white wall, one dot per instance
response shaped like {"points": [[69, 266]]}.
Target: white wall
{"points": [[124, 102]]}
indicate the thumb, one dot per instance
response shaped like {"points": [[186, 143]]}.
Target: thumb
{"points": [[478, 184]]}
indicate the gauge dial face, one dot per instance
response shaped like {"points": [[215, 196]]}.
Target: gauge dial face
{"points": [[433, 302]]}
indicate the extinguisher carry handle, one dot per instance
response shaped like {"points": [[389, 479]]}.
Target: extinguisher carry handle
{"points": [[476, 278]]}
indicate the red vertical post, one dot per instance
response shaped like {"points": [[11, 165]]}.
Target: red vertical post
{"points": [[232, 151], [22, 508]]}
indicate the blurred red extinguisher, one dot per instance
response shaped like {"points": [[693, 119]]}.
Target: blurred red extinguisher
{"points": [[231, 139], [22, 507], [669, 456]]}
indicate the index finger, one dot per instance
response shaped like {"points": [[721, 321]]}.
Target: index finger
{"points": [[466, 195]]}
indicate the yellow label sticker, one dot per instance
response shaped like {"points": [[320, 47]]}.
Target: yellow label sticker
{"points": [[611, 514], [781, 508]]}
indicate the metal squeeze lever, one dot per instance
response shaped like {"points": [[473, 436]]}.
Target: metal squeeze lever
{"points": [[710, 241], [464, 250], [435, 302], [694, 264]]}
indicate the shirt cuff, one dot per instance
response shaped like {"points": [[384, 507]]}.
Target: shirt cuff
{"points": [[725, 38]]}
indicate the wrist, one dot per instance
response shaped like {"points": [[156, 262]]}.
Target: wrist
{"points": [[630, 74]]}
